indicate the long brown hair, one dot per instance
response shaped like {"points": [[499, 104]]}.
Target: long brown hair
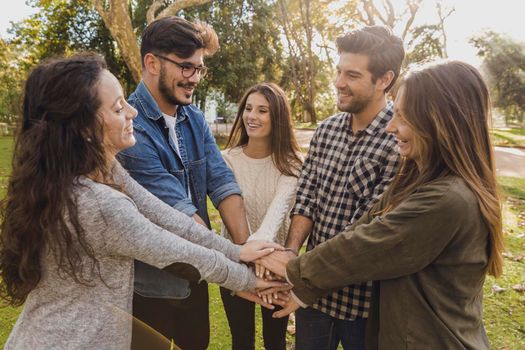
{"points": [[284, 148], [60, 138], [448, 107]]}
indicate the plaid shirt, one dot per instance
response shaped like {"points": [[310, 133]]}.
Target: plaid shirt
{"points": [[342, 177]]}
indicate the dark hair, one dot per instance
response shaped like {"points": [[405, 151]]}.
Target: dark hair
{"points": [[384, 50], [447, 106], [60, 139], [284, 147], [177, 35]]}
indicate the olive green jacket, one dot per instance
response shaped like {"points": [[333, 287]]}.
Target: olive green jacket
{"points": [[429, 256]]}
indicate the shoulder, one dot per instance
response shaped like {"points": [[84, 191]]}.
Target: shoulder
{"points": [[93, 197], [232, 156], [448, 194], [232, 153], [336, 122]]}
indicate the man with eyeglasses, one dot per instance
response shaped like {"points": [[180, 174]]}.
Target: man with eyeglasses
{"points": [[176, 158]]}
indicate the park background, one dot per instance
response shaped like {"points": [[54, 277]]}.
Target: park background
{"points": [[291, 42]]}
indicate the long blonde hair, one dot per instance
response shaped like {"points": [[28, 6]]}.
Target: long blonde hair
{"points": [[448, 107]]}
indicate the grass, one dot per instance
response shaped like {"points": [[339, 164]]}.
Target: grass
{"points": [[504, 312], [508, 137]]}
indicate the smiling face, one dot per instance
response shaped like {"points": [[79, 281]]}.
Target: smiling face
{"points": [[256, 117], [117, 115], [355, 89], [403, 132], [174, 88]]}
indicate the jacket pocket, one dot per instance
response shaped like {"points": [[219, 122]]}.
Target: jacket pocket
{"points": [[363, 177]]}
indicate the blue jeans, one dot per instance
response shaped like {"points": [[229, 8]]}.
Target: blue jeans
{"points": [[319, 331]]}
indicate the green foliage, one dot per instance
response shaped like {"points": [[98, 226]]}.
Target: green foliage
{"points": [[424, 45], [504, 67], [251, 50], [10, 82], [60, 28]]}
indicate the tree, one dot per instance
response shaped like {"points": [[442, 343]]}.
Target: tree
{"points": [[423, 42], [504, 67], [242, 61], [116, 15], [10, 82], [306, 28]]}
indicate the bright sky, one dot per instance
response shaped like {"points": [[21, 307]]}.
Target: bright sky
{"points": [[470, 18]]}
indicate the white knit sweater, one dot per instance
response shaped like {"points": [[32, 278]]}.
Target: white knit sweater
{"points": [[268, 195]]}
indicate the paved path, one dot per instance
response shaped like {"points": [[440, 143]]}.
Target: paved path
{"points": [[509, 161]]}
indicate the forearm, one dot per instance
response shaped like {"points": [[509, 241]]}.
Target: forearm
{"points": [[233, 216], [172, 220], [300, 227]]}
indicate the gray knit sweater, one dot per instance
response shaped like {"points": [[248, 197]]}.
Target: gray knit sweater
{"points": [[62, 314]]}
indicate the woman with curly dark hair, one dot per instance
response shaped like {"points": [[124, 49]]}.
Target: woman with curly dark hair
{"points": [[73, 220]]}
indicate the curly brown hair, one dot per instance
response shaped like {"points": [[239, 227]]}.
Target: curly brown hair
{"points": [[59, 139]]}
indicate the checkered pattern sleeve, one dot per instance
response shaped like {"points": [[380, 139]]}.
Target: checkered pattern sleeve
{"points": [[386, 175], [306, 197]]}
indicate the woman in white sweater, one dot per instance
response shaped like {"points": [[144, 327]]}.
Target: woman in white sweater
{"points": [[265, 159], [73, 220]]}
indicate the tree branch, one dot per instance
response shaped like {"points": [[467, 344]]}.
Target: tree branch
{"points": [[173, 9]]}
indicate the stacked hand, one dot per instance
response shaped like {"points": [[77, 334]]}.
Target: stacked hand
{"points": [[270, 260]]}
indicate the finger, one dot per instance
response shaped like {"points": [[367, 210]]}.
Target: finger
{"points": [[262, 252], [279, 302], [278, 285], [266, 305], [258, 270], [282, 313]]}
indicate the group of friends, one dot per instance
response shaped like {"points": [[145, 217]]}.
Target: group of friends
{"points": [[106, 205]]}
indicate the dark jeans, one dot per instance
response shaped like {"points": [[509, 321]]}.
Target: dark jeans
{"points": [[241, 318], [186, 321], [316, 330]]}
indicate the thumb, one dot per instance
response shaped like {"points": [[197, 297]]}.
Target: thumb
{"points": [[281, 313]]}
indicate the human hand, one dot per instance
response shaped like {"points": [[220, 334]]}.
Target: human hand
{"points": [[250, 296], [290, 306], [276, 298], [277, 261], [254, 250]]}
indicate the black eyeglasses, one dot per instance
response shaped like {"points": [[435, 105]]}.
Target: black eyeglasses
{"points": [[187, 71]]}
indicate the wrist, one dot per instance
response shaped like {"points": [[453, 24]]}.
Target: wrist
{"points": [[293, 250]]}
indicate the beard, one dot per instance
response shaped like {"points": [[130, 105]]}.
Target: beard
{"points": [[358, 103], [167, 92]]}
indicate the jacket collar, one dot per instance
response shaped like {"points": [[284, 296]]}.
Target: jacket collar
{"points": [[150, 106]]}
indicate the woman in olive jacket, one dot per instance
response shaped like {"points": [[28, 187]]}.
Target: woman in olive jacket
{"points": [[436, 232]]}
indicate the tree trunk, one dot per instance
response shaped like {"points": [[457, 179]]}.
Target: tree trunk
{"points": [[118, 21]]}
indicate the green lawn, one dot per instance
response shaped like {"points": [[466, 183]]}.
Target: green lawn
{"points": [[504, 311], [509, 137]]}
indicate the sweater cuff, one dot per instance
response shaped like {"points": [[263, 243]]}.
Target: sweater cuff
{"points": [[304, 292]]}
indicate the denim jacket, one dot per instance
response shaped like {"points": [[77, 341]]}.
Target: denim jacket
{"points": [[154, 163]]}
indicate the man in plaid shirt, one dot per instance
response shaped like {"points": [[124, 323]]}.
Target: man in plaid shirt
{"points": [[350, 162]]}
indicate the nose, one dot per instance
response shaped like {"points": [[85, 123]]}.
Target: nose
{"points": [[195, 78], [391, 126], [132, 114], [338, 82]]}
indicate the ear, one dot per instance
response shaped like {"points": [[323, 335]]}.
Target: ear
{"points": [[383, 82], [151, 64]]}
